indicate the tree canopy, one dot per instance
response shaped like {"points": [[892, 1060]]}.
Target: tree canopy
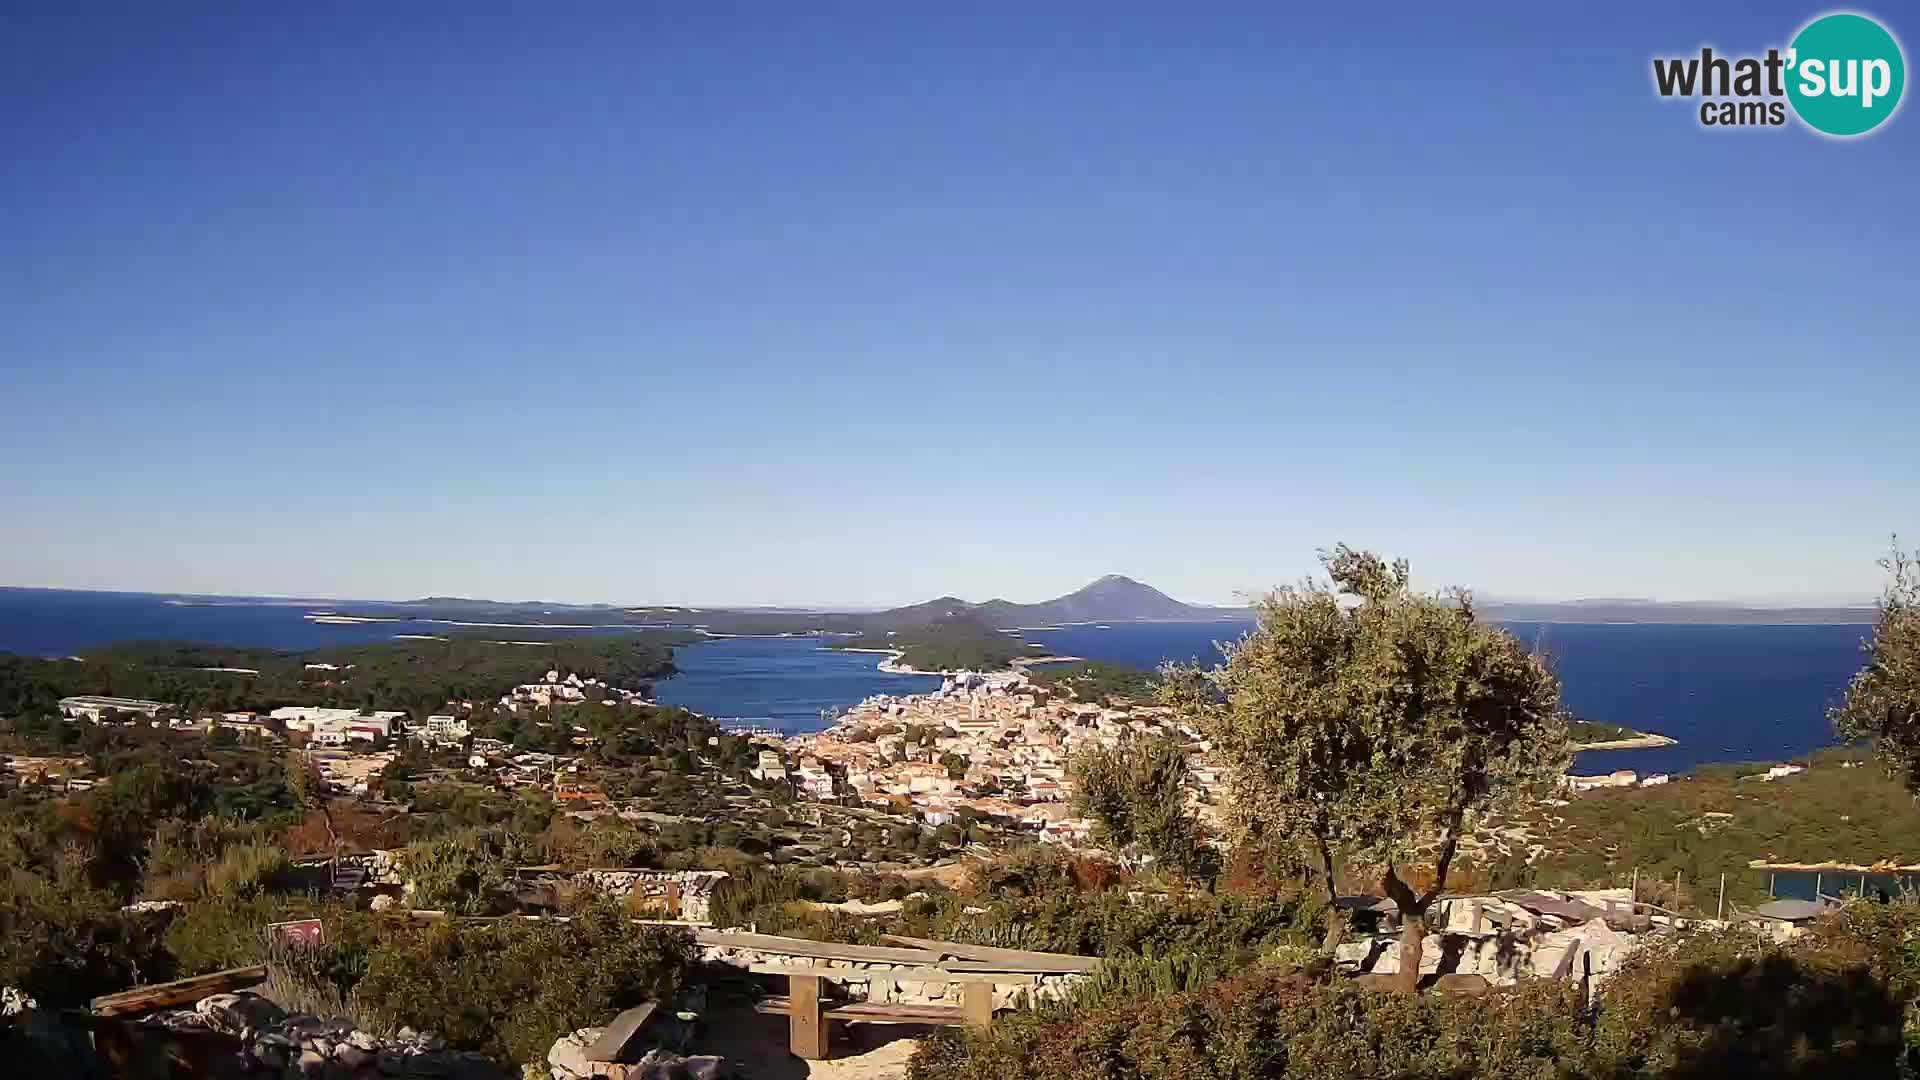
{"points": [[1136, 794], [1372, 724], [1883, 700]]}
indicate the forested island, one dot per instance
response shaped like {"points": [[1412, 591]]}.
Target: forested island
{"points": [[1600, 735], [417, 675], [958, 643]]}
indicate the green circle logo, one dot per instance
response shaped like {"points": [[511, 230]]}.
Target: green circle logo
{"points": [[1845, 74]]}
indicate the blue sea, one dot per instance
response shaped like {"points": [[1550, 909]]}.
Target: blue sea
{"points": [[1727, 693], [59, 622]]}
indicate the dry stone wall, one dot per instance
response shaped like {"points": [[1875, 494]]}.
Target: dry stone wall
{"points": [[878, 983]]}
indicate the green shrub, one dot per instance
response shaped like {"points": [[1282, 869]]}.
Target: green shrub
{"points": [[1728, 1003], [463, 873], [63, 942], [231, 931], [181, 854], [510, 988], [1275, 1028], [1732, 1003], [250, 869], [1128, 977]]}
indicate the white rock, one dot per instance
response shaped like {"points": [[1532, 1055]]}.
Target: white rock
{"points": [[568, 1057]]}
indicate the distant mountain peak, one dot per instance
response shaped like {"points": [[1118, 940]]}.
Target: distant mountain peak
{"points": [[1112, 598]]}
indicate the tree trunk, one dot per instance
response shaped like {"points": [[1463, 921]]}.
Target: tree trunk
{"points": [[1413, 928], [1336, 918], [1336, 929], [1413, 939]]}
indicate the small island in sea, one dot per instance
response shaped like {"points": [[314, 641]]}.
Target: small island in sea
{"points": [[1600, 735]]}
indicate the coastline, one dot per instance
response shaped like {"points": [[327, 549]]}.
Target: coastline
{"points": [[1638, 742], [892, 665]]}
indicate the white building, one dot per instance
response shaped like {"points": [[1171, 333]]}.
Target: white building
{"points": [[94, 706], [307, 717], [771, 767]]}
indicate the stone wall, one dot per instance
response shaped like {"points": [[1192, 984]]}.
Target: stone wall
{"points": [[872, 981], [682, 894], [273, 1042], [689, 892], [1592, 948]]}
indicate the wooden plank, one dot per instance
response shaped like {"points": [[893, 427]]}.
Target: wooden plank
{"points": [[976, 1003], [865, 1012], [870, 1012], [926, 974], [166, 995], [1011, 969], [773, 1005], [1004, 959], [823, 950], [613, 1043], [806, 1024]]}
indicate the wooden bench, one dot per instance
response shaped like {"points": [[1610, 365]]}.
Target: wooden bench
{"points": [[810, 1015]]}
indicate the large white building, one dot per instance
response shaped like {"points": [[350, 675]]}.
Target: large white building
{"points": [[309, 718], [94, 706]]}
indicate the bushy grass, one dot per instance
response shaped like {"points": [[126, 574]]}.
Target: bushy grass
{"points": [[1272, 1027], [510, 988], [1828, 813], [63, 941]]}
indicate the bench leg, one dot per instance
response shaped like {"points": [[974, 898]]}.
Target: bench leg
{"points": [[806, 1017], [976, 1003]]}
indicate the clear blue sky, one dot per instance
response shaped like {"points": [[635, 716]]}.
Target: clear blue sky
{"points": [[863, 307]]}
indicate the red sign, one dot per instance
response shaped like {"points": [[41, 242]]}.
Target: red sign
{"points": [[297, 932]]}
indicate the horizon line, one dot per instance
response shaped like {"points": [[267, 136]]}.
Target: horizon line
{"points": [[1485, 598]]}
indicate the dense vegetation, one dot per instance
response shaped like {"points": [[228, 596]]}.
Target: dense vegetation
{"points": [[1712, 1005], [955, 644], [1593, 731], [1363, 722], [1883, 701], [1100, 683], [1702, 826], [420, 676], [1135, 793]]}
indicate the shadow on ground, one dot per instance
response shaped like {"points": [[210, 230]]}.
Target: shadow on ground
{"points": [[756, 1045]]}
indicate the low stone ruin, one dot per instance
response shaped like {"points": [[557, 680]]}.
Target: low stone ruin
{"points": [[875, 982], [274, 1042], [1506, 935], [683, 894], [569, 1059]]}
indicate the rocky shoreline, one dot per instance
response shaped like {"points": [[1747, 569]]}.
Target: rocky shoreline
{"points": [[1643, 741]]}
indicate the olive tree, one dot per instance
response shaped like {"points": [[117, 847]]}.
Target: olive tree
{"points": [[1883, 700], [1371, 725], [1136, 794]]}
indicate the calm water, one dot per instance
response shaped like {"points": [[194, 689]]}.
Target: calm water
{"points": [[780, 682], [1728, 693], [46, 622]]}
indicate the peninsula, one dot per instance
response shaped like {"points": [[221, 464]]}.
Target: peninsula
{"points": [[1599, 735]]}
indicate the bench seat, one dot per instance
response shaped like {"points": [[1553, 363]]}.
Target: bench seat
{"points": [[873, 1013]]}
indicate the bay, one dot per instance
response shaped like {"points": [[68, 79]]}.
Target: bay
{"points": [[1727, 693]]}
